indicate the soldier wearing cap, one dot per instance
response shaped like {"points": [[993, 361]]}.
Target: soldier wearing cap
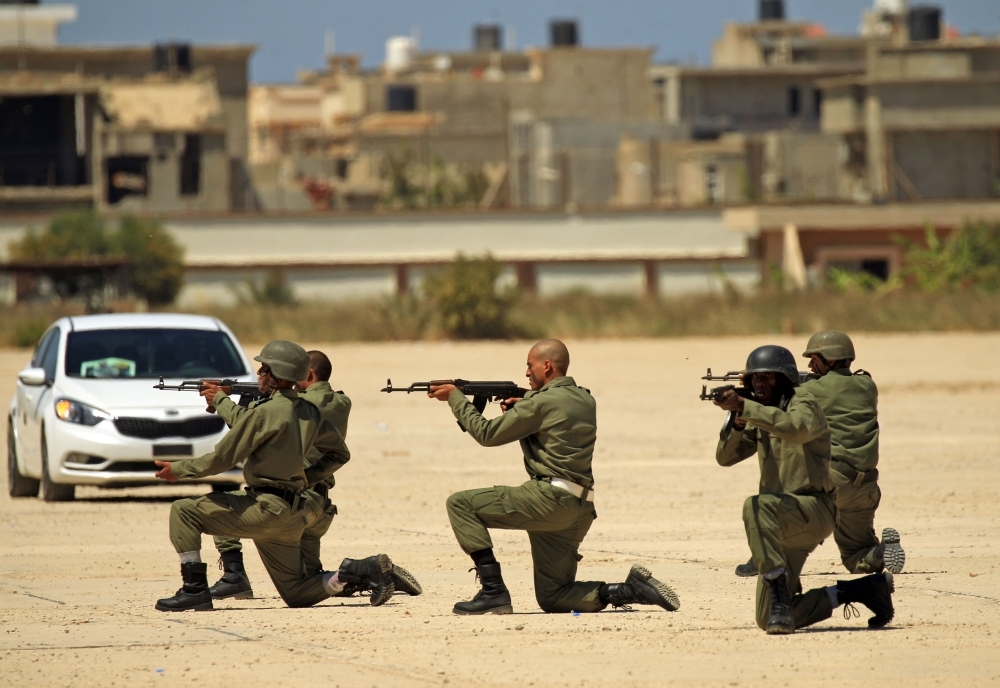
{"points": [[850, 404], [271, 439], [795, 509], [556, 426]]}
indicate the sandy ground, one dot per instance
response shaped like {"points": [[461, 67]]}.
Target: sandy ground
{"points": [[78, 580]]}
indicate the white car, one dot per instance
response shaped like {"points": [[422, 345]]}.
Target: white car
{"points": [[86, 413]]}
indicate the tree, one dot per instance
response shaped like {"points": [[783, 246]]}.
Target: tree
{"points": [[157, 260]]}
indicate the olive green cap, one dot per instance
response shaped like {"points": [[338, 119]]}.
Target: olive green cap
{"points": [[287, 360], [831, 345]]}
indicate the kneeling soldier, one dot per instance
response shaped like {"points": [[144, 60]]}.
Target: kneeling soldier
{"points": [[795, 509], [335, 406], [556, 425], [272, 439], [850, 404]]}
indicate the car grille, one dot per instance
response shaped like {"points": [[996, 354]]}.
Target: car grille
{"points": [[149, 429], [133, 467]]}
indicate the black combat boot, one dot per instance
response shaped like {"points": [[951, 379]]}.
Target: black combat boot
{"points": [[640, 588], [373, 573], [493, 598], [193, 594], [747, 570], [874, 591], [402, 580], [234, 582], [780, 621]]}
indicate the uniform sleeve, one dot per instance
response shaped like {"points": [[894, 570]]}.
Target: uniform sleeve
{"points": [[333, 454], [243, 438], [524, 419], [228, 409], [802, 422], [736, 445]]}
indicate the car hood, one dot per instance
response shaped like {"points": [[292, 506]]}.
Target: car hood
{"points": [[116, 395]]}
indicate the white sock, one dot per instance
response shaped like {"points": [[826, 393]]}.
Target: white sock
{"points": [[774, 573], [832, 592], [332, 584], [191, 557]]}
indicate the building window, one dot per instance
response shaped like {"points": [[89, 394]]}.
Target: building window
{"points": [[127, 176], [794, 101], [191, 165], [817, 103]]}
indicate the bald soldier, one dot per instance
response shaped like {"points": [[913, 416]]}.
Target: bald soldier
{"points": [[556, 426]]}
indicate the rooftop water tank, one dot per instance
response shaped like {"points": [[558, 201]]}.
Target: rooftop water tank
{"points": [[924, 23], [487, 37], [399, 52], [563, 33], [771, 10], [894, 7]]}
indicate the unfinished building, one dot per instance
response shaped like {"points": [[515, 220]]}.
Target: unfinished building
{"points": [[157, 129]]}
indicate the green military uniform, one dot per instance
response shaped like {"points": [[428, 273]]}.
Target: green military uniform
{"points": [[335, 408], [795, 510], [271, 439], [850, 404], [557, 429]]}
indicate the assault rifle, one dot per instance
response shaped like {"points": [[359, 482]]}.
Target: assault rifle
{"points": [[248, 391], [482, 392], [733, 376]]}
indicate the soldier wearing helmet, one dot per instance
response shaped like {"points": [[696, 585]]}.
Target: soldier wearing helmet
{"points": [[850, 403], [795, 508], [271, 439]]}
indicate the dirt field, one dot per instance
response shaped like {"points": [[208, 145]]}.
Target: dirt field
{"points": [[78, 581]]}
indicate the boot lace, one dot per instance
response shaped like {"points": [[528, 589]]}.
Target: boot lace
{"points": [[222, 566], [851, 611]]}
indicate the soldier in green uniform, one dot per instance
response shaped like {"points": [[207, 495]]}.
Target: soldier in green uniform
{"points": [[795, 509], [335, 406], [850, 404], [271, 439], [556, 426]]}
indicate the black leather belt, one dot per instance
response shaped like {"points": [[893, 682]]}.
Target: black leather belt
{"points": [[291, 497], [852, 475]]}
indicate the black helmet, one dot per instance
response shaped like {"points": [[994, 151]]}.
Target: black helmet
{"points": [[773, 359]]}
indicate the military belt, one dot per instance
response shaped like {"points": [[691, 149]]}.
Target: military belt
{"points": [[291, 497], [858, 478], [584, 494]]}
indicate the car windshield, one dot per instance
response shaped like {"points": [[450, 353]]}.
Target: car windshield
{"points": [[152, 353]]}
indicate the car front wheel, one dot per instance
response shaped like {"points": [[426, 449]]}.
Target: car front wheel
{"points": [[17, 484], [53, 492]]}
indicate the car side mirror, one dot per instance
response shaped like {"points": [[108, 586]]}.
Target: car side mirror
{"points": [[35, 377]]}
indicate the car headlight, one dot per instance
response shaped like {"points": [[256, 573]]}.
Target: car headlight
{"points": [[75, 412]]}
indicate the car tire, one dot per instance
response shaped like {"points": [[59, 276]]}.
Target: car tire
{"points": [[17, 484], [53, 492]]}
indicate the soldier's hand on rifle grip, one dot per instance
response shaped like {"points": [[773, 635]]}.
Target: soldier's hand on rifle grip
{"points": [[507, 404], [441, 392], [730, 401], [208, 391]]}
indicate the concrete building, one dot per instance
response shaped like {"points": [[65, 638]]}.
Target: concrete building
{"points": [[119, 129]]}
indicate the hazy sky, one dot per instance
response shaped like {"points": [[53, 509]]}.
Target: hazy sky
{"points": [[290, 34]]}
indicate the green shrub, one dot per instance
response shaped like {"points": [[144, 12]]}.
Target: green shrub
{"points": [[273, 290], [157, 270], [968, 257], [465, 296]]}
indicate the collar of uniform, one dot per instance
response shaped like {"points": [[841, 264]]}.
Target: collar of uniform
{"points": [[846, 372], [287, 393], [564, 381], [319, 386]]}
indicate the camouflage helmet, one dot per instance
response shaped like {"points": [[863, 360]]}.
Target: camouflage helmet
{"points": [[831, 345], [773, 359], [287, 360]]}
